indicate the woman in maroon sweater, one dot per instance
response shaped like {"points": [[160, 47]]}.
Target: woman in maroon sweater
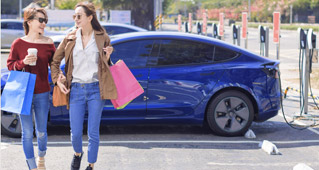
{"points": [[34, 23]]}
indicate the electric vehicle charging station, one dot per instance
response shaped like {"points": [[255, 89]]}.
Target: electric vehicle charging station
{"points": [[236, 34], [306, 44], [199, 27], [186, 26], [215, 30], [264, 40]]}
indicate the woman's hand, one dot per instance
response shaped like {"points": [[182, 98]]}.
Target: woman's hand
{"points": [[30, 58], [60, 83], [108, 50]]}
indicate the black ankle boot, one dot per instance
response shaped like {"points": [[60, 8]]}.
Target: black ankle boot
{"points": [[89, 168], [76, 162]]}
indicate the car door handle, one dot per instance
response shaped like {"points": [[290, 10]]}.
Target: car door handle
{"points": [[145, 98], [138, 75], [207, 74]]}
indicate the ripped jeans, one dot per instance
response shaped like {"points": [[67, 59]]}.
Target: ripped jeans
{"points": [[40, 106]]}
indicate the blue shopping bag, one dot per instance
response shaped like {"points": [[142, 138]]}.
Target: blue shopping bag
{"points": [[18, 93]]}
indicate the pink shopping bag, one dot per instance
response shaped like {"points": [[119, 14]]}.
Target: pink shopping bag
{"points": [[126, 84]]}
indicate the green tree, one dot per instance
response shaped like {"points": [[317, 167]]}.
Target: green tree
{"points": [[66, 4], [70, 4], [42, 3]]}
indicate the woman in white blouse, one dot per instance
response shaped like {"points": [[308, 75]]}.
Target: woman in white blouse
{"points": [[87, 53]]}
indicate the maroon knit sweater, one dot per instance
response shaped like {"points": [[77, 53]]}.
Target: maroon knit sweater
{"points": [[19, 49]]}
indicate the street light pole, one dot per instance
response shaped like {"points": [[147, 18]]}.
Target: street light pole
{"points": [[290, 13], [52, 4]]}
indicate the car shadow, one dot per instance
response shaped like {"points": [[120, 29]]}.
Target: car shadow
{"points": [[181, 136]]}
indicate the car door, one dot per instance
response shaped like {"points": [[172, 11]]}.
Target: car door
{"points": [[134, 54], [181, 75], [9, 32]]}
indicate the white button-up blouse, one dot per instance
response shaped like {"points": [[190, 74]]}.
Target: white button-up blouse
{"points": [[85, 61]]}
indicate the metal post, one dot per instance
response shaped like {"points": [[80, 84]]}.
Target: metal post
{"points": [[246, 42], [277, 48], [161, 13], [239, 35], [52, 4], [20, 9], [249, 10], [305, 80], [267, 42], [291, 14]]}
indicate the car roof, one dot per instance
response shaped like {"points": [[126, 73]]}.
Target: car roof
{"points": [[139, 29], [170, 34], [185, 36], [123, 25], [11, 20]]}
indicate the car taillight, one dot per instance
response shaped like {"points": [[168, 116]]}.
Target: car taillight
{"points": [[272, 71]]}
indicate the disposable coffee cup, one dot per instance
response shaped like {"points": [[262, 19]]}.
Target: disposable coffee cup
{"points": [[33, 51]]}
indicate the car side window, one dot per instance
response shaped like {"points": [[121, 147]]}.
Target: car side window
{"points": [[113, 30], [176, 52], [4, 25], [133, 53], [222, 54], [14, 26]]}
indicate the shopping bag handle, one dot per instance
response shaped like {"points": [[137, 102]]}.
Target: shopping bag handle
{"points": [[14, 67]]}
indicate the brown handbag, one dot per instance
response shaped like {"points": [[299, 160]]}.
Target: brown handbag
{"points": [[58, 97]]}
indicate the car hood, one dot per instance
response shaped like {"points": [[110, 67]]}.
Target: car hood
{"points": [[57, 38]]}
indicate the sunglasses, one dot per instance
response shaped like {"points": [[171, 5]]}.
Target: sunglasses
{"points": [[77, 16], [41, 20]]}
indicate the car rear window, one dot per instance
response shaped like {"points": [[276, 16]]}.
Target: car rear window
{"points": [[222, 54], [175, 52]]}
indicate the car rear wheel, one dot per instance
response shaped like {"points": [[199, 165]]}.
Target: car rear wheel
{"points": [[230, 113], [10, 124]]}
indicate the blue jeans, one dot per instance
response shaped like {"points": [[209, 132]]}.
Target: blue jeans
{"points": [[82, 97], [40, 105]]}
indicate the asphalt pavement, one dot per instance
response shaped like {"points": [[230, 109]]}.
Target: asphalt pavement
{"points": [[190, 147]]}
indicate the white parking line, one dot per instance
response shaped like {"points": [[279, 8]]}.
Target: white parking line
{"points": [[302, 124], [177, 142], [272, 164]]}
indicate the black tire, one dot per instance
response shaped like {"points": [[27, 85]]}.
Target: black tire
{"points": [[230, 113], [10, 124]]}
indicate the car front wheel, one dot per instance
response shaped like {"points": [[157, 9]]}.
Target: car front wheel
{"points": [[230, 113], [10, 124]]}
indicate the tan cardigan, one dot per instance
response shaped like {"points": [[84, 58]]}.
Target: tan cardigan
{"points": [[65, 49]]}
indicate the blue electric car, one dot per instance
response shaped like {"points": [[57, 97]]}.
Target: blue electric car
{"points": [[188, 79]]}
